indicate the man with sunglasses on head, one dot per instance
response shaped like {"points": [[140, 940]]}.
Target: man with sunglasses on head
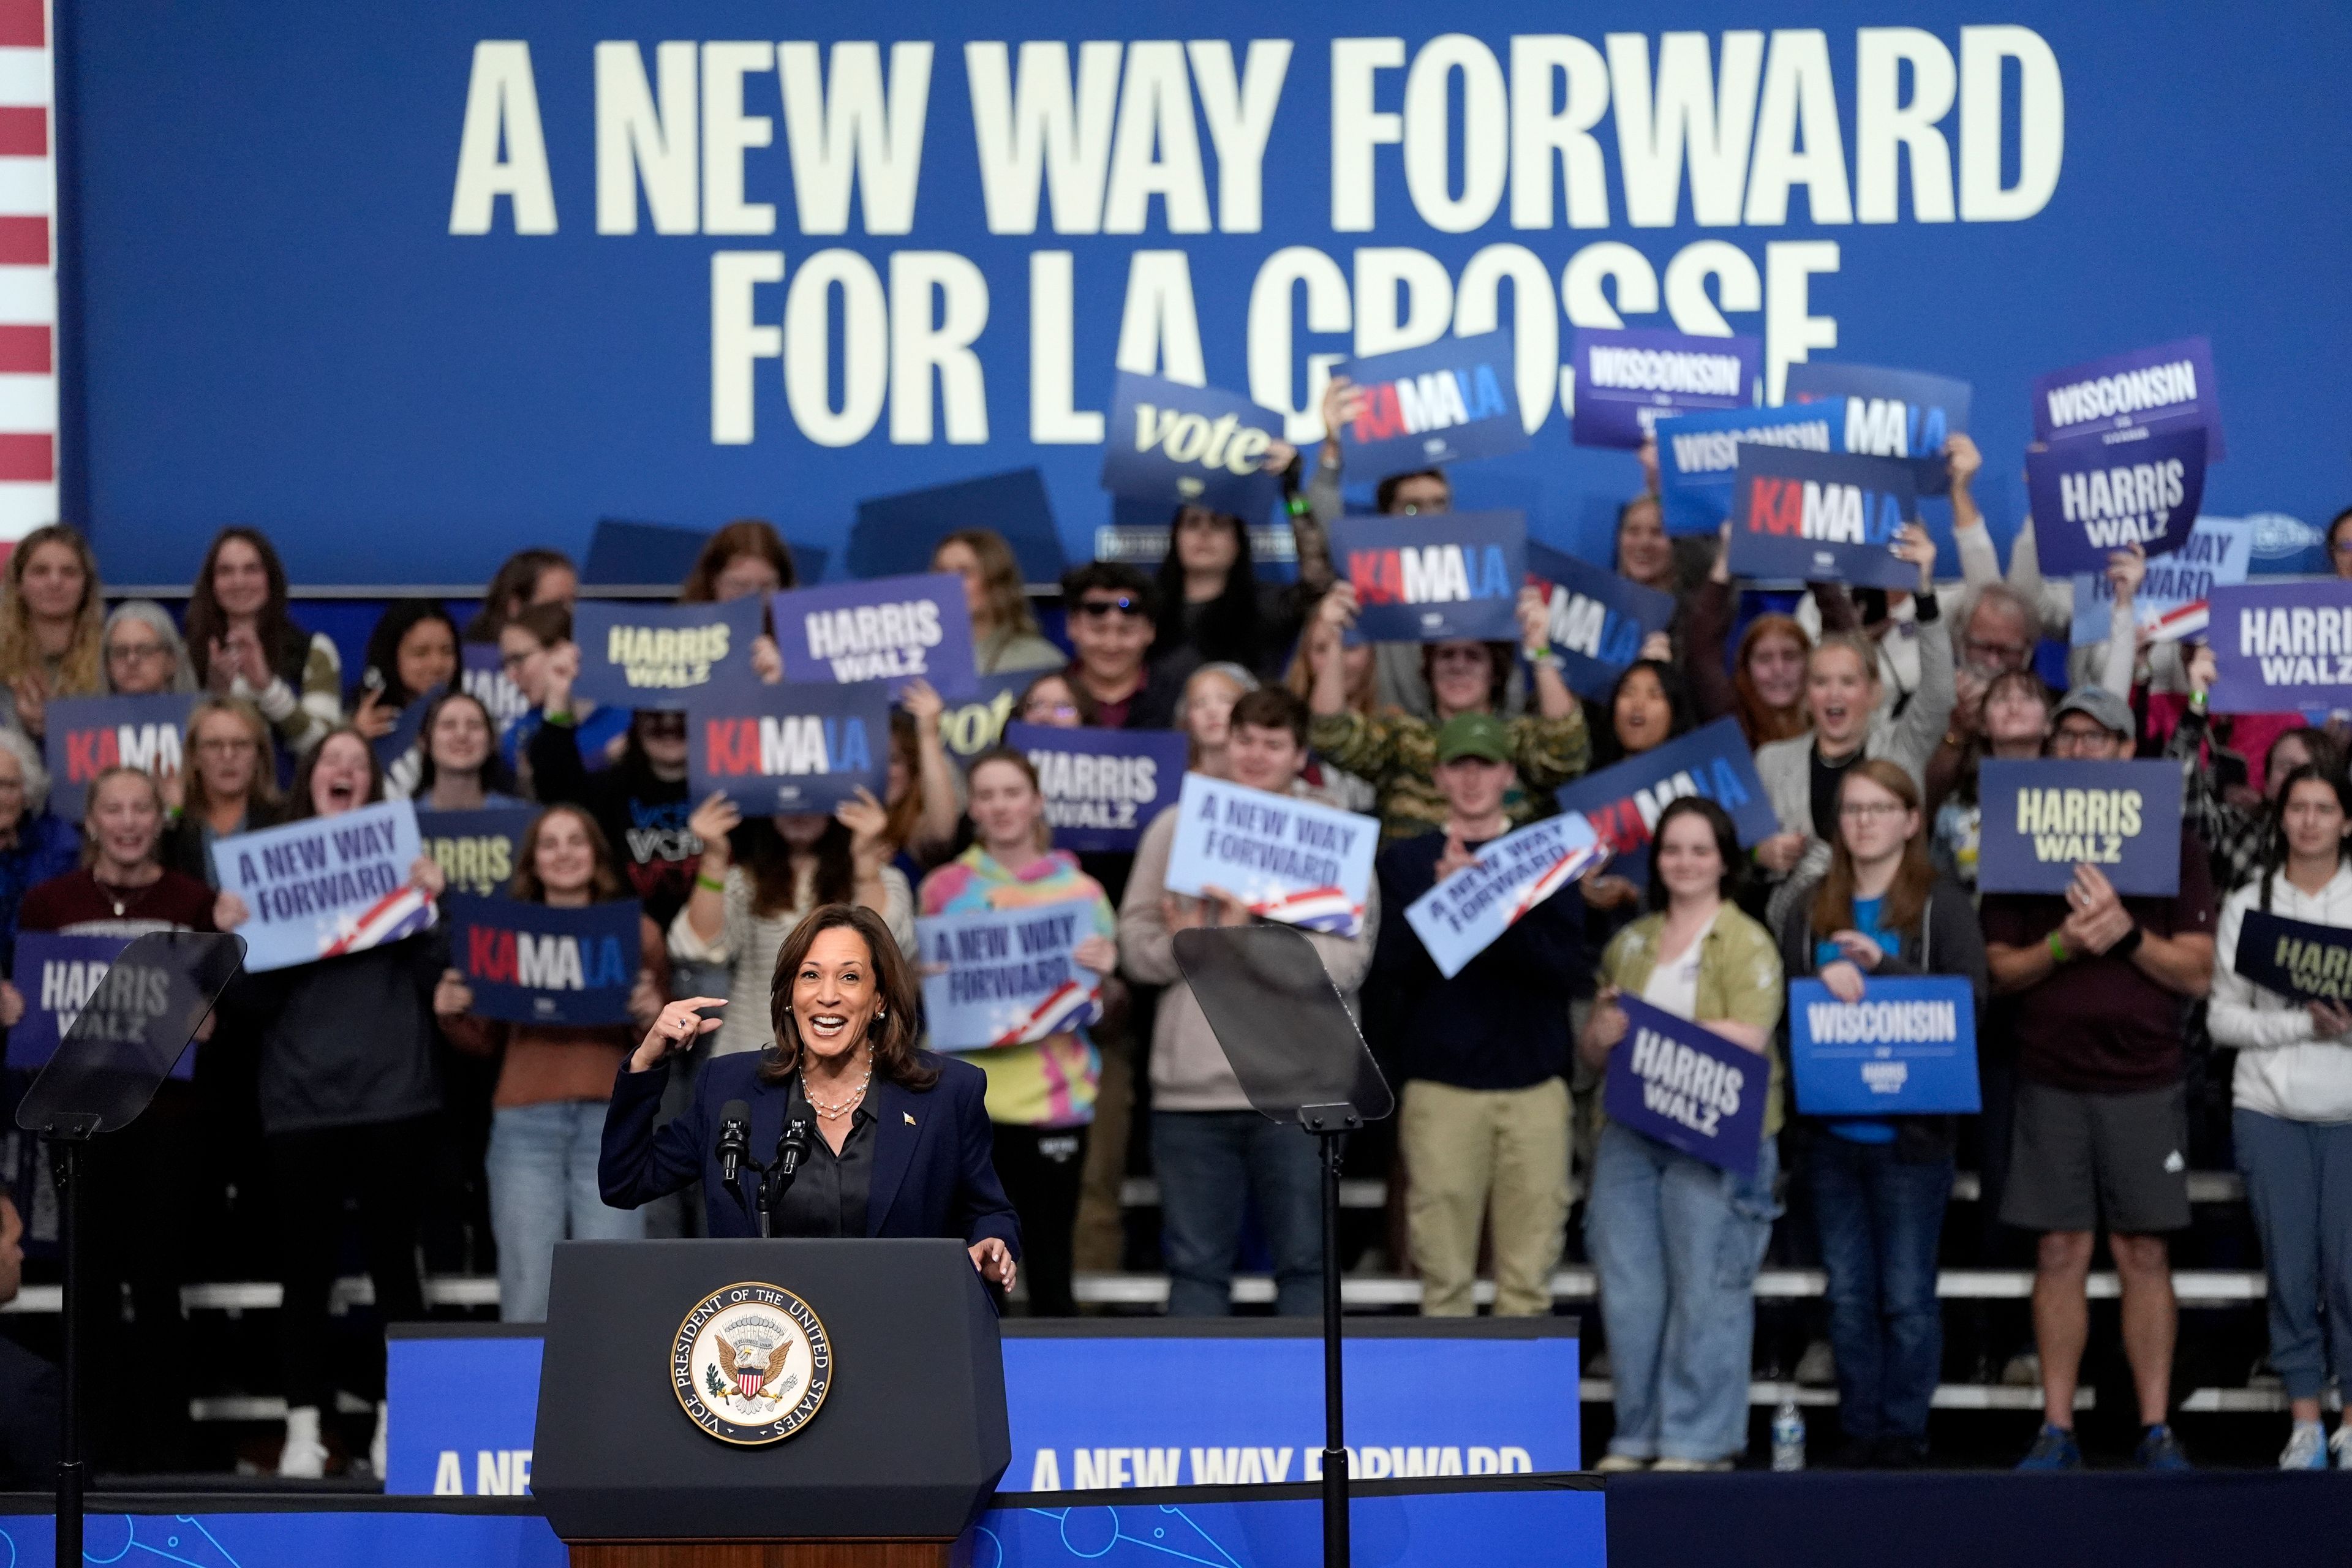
{"points": [[1107, 608], [2102, 1122]]}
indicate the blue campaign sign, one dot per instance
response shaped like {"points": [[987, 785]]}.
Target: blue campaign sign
{"points": [[88, 735], [637, 655], [1598, 619], [397, 741], [1190, 445], [529, 964], [2162, 389], [2092, 498], [1698, 456], [1004, 977], [1890, 412], [1446, 402], [57, 975], [2301, 959], [479, 851], [1687, 1087], [895, 534], [2282, 645], [2042, 818], [1422, 1399], [1102, 787], [1818, 517], [890, 628], [1289, 859], [1908, 1048], [2173, 600], [1627, 380], [788, 748], [1623, 803], [972, 724], [482, 671], [325, 886], [1462, 916], [1436, 577]]}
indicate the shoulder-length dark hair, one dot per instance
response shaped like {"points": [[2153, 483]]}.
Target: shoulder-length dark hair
{"points": [[495, 776], [300, 807], [603, 883], [1227, 630], [766, 861], [283, 643], [1682, 713], [512, 589], [1915, 878], [2275, 832], [745, 536], [391, 628], [891, 1034], [1726, 844], [2028, 681]]}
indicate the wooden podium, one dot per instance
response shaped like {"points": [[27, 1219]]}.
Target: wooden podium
{"points": [[655, 1444]]}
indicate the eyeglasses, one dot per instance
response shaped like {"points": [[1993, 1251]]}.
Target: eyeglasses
{"points": [[1871, 810], [136, 652], [1975, 650], [1124, 604], [2076, 740]]}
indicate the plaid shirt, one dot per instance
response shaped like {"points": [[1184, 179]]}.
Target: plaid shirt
{"points": [[2232, 835]]}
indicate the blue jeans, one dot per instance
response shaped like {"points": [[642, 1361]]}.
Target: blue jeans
{"points": [[1211, 1165], [1880, 1222], [1676, 1244], [542, 1170], [2299, 1184]]}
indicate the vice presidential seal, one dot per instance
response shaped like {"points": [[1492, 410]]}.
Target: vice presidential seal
{"points": [[750, 1363]]}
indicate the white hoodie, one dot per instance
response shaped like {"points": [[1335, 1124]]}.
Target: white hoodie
{"points": [[2283, 1069]]}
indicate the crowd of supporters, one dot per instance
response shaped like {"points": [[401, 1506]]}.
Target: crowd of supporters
{"points": [[357, 1107]]}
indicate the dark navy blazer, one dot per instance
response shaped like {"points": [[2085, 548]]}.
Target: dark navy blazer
{"points": [[933, 1171]]}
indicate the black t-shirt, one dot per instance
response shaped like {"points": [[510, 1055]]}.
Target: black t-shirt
{"points": [[828, 1194], [1827, 777]]}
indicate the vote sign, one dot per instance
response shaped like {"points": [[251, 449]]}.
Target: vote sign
{"points": [[1687, 1087], [1434, 578], [1446, 402], [1908, 1048], [2042, 818], [1627, 381], [1821, 517], [529, 964], [1190, 445]]}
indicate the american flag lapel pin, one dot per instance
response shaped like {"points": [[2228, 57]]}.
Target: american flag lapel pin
{"points": [[911, 1121]]}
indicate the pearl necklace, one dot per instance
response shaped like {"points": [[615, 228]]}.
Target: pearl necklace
{"points": [[836, 1112]]}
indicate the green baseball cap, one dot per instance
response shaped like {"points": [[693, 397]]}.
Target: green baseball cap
{"points": [[1473, 735]]}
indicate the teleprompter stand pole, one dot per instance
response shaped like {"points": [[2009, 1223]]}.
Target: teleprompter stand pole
{"points": [[66, 1146], [1330, 1125]]}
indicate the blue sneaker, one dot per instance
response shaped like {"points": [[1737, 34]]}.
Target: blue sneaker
{"points": [[2053, 1449], [2161, 1450]]}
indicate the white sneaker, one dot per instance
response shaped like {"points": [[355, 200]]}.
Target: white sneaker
{"points": [[2306, 1447], [304, 1458], [376, 1443], [2341, 1445], [1620, 1464]]}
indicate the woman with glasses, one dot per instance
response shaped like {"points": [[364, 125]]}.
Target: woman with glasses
{"points": [[1005, 638], [51, 607], [1396, 751], [527, 646], [1879, 1184], [226, 784], [144, 655], [244, 644]]}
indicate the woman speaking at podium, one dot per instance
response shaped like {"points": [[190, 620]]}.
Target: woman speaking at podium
{"points": [[882, 1139]]}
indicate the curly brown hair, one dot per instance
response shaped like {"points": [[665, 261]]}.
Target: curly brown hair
{"points": [[891, 1034]]}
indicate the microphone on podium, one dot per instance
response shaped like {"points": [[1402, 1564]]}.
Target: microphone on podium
{"points": [[734, 1138]]}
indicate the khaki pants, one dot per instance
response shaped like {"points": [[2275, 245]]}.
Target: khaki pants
{"points": [[1463, 1148]]}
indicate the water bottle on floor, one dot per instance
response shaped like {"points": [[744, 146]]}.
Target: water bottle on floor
{"points": [[1788, 1436]]}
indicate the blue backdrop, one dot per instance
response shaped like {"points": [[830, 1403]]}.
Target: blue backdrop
{"points": [[272, 321]]}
